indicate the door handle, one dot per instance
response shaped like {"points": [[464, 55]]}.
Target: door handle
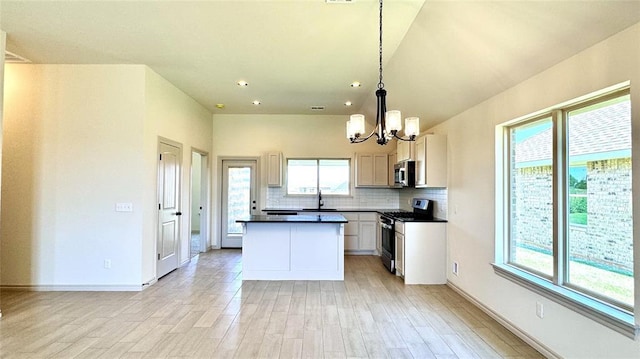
{"points": [[177, 213]]}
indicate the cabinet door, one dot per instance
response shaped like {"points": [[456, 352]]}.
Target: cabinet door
{"points": [[364, 169], [367, 240], [380, 169], [431, 161], [351, 228], [274, 169], [405, 150], [351, 243], [421, 161], [392, 159], [436, 161]]}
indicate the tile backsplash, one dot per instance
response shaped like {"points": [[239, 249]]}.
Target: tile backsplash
{"points": [[379, 198], [437, 195]]}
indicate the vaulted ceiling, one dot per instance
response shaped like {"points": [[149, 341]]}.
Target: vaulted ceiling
{"points": [[440, 57]]}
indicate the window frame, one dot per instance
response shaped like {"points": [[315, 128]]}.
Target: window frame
{"points": [[607, 311], [318, 159]]}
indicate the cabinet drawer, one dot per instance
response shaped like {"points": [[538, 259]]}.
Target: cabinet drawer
{"points": [[368, 216]]}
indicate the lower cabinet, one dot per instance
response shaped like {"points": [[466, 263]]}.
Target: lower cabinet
{"points": [[360, 232], [400, 254], [421, 252]]}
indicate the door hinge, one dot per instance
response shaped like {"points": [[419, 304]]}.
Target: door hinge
{"points": [[159, 208], [158, 256], [161, 157]]}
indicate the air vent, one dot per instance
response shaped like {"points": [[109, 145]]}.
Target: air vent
{"points": [[317, 108], [11, 58]]}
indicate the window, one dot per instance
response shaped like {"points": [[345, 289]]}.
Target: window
{"points": [[307, 176], [567, 222]]}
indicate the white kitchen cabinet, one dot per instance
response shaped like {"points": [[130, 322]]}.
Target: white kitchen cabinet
{"points": [[372, 170], [351, 232], [431, 161], [367, 235], [405, 150], [360, 232], [392, 159], [421, 252], [274, 169], [400, 254]]}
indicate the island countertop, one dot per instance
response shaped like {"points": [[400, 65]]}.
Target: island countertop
{"points": [[323, 218]]}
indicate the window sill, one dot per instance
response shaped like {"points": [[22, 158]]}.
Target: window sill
{"points": [[613, 318]]}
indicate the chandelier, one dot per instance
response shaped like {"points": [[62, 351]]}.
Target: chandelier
{"points": [[388, 123]]}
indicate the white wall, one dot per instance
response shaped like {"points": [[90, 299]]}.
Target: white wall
{"points": [[3, 39], [72, 149], [471, 192], [171, 114], [79, 139]]}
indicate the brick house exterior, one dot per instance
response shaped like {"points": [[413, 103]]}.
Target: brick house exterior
{"points": [[600, 141]]}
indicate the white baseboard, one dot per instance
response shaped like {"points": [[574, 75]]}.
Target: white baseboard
{"points": [[548, 353], [73, 288]]}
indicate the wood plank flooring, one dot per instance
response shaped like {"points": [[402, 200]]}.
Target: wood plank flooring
{"points": [[205, 310]]}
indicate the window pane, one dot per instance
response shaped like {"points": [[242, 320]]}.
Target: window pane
{"points": [[302, 176], [600, 233], [239, 199], [531, 197], [334, 176]]}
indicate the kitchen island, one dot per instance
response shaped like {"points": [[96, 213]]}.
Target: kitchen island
{"points": [[298, 247]]}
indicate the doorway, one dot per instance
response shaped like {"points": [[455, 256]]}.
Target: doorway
{"points": [[199, 203], [238, 199], [169, 170]]}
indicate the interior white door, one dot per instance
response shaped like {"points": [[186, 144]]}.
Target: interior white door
{"points": [[169, 169], [238, 198]]}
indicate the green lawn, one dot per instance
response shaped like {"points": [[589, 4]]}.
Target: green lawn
{"points": [[614, 285], [578, 218]]}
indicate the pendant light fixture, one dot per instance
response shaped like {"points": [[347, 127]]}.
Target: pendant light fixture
{"points": [[388, 123]]}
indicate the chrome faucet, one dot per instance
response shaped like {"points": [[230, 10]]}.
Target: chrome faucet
{"points": [[320, 203]]}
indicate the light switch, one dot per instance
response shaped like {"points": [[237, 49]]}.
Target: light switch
{"points": [[124, 207]]}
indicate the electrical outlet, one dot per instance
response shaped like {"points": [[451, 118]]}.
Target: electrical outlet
{"points": [[107, 263], [455, 268], [124, 207], [539, 310]]}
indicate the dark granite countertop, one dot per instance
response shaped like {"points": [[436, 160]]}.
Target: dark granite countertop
{"points": [[421, 220], [302, 210], [302, 218]]}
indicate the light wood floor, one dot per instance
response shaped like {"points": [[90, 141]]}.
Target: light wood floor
{"points": [[205, 310]]}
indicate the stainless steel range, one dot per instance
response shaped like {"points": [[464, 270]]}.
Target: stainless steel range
{"points": [[422, 211]]}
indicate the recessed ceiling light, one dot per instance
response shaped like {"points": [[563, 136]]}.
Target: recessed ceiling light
{"points": [[348, 103], [220, 105], [256, 102], [356, 84], [243, 83]]}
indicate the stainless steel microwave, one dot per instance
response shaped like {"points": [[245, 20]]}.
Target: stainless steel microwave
{"points": [[404, 174]]}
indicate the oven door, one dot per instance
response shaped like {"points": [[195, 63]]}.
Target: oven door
{"points": [[388, 240]]}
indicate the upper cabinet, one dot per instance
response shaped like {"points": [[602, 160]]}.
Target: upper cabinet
{"points": [[405, 150], [393, 159], [431, 161], [274, 169], [372, 170]]}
